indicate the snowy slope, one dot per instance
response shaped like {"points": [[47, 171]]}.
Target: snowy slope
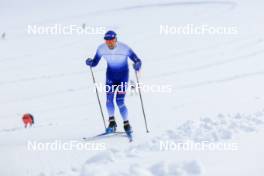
{"points": [[217, 83]]}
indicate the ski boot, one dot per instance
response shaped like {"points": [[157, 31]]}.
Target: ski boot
{"points": [[112, 125], [128, 130]]}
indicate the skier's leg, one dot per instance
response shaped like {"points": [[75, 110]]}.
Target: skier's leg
{"points": [[120, 100], [110, 104], [110, 92]]}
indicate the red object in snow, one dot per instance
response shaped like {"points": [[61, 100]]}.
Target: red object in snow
{"points": [[28, 119]]}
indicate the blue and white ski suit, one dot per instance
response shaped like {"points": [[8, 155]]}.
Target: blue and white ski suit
{"points": [[117, 74]]}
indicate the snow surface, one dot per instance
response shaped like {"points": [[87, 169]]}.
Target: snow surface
{"points": [[217, 85]]}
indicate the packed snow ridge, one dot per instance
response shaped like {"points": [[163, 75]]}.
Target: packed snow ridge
{"points": [[216, 129]]}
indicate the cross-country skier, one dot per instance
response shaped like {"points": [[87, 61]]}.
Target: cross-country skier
{"points": [[116, 55]]}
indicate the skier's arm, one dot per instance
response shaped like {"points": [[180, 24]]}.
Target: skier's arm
{"points": [[93, 62], [137, 62], [96, 59]]}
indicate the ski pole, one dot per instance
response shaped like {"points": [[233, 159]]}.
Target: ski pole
{"points": [[142, 106], [99, 102]]}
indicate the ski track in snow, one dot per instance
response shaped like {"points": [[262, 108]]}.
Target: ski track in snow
{"points": [[251, 54], [223, 80], [215, 64], [228, 45], [230, 6]]}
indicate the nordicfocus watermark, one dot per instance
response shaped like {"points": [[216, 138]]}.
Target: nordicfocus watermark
{"points": [[59, 145], [59, 29], [197, 146], [191, 29], [125, 87]]}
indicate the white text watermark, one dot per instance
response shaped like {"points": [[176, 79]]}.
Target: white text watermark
{"points": [[191, 29], [125, 87], [197, 146], [59, 145], [60, 29]]}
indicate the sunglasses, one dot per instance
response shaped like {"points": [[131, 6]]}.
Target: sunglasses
{"points": [[110, 41]]}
